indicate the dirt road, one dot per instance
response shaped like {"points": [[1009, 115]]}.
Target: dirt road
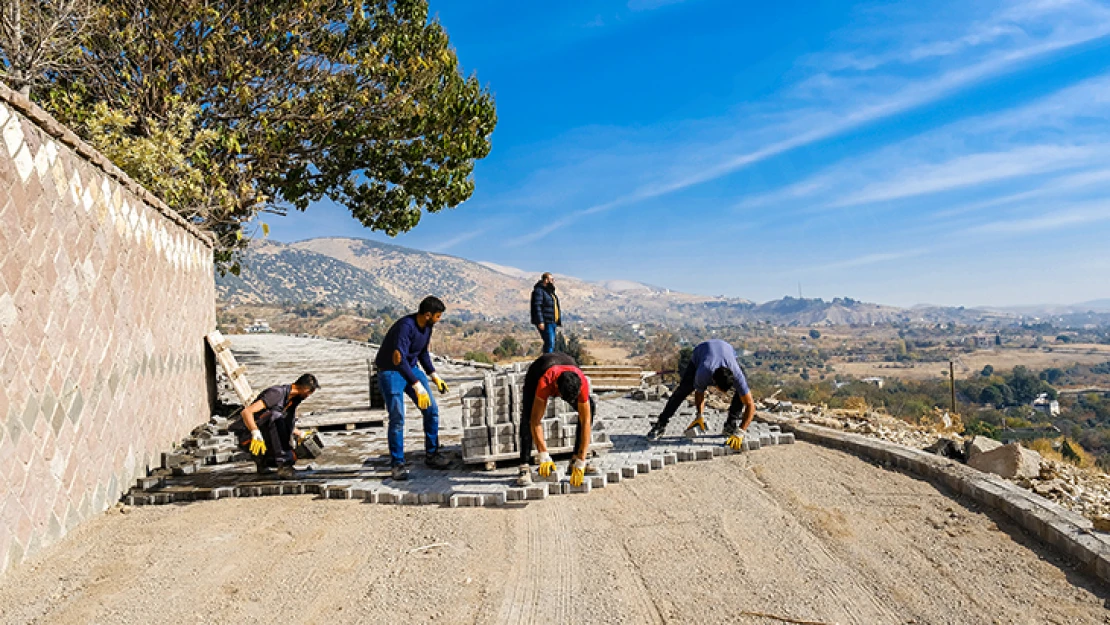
{"points": [[795, 531]]}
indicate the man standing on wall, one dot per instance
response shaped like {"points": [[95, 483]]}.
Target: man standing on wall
{"points": [[405, 346], [554, 375], [269, 425], [546, 315], [713, 363]]}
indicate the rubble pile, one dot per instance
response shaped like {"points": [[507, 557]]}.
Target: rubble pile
{"points": [[1081, 490]]}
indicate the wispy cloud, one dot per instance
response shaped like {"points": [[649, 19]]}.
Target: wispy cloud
{"points": [[867, 259], [969, 170], [650, 5], [1058, 28], [1076, 215], [443, 246]]}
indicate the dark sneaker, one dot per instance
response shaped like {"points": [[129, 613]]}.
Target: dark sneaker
{"points": [[400, 473], [731, 427], [655, 432], [437, 461]]}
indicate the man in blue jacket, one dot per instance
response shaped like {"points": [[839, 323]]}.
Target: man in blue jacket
{"points": [[405, 346], [546, 315], [713, 364]]}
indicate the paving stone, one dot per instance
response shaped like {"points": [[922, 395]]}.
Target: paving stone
{"points": [[583, 489]]}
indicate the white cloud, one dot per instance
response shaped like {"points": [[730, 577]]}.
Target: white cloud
{"points": [[969, 170], [443, 246], [864, 103], [1076, 215]]}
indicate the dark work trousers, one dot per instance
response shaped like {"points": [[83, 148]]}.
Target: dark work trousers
{"points": [[531, 383], [277, 431], [683, 390]]}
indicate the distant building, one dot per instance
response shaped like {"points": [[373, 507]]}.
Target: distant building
{"points": [[877, 381], [260, 326], [1043, 404], [982, 341]]}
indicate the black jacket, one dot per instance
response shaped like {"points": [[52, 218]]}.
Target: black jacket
{"points": [[544, 302]]}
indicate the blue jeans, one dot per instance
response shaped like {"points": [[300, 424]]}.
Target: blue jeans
{"points": [[394, 387], [548, 335]]}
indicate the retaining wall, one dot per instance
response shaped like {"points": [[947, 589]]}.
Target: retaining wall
{"points": [[105, 297]]}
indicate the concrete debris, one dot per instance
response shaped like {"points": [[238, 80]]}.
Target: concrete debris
{"points": [[1084, 491], [981, 445], [1008, 461]]}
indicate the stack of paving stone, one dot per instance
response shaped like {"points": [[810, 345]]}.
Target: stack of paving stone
{"points": [[491, 416]]}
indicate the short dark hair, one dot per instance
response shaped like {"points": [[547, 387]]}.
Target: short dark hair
{"points": [[570, 385], [307, 381], [431, 304], [724, 378]]}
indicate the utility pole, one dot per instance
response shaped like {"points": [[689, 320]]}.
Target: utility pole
{"points": [[952, 384]]}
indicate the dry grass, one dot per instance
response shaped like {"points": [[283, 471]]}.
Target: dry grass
{"points": [[969, 365]]}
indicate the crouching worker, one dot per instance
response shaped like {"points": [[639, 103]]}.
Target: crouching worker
{"points": [[554, 375], [405, 346], [713, 363], [268, 426]]}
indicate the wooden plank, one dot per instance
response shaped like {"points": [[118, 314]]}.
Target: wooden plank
{"points": [[236, 373]]}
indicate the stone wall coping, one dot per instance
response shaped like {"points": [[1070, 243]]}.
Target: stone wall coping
{"points": [[64, 135], [1068, 532]]}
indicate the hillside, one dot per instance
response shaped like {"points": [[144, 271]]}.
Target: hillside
{"points": [[347, 271], [274, 274]]}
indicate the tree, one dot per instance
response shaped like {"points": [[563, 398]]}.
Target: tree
{"points": [[362, 102], [508, 348], [988, 371], [572, 346], [814, 334], [39, 38]]}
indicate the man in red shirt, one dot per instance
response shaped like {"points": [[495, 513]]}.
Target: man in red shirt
{"points": [[554, 375]]}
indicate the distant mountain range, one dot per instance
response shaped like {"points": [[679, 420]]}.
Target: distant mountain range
{"points": [[348, 272]]}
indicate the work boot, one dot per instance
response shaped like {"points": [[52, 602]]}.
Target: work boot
{"points": [[261, 465], [696, 428], [524, 477], [731, 427], [656, 431], [437, 461], [286, 472], [400, 473]]}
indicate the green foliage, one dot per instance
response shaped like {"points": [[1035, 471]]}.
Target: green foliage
{"points": [[275, 105], [478, 356], [982, 428], [572, 346], [508, 348], [814, 334], [987, 371], [1070, 453]]}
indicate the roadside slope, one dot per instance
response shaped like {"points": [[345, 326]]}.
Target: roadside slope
{"points": [[796, 531]]}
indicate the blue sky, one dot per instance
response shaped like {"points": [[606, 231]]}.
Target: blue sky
{"points": [[897, 152]]}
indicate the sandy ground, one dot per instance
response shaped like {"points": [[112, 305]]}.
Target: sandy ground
{"points": [[969, 365], [795, 531]]}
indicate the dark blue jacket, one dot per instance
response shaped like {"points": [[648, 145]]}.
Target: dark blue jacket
{"points": [[543, 305], [411, 342]]}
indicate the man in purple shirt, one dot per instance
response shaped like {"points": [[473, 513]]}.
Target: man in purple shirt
{"points": [[405, 346], [713, 363]]}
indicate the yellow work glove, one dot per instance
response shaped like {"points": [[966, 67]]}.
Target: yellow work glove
{"points": [[577, 472], [440, 384], [258, 445], [547, 465], [422, 398], [736, 441], [696, 427]]}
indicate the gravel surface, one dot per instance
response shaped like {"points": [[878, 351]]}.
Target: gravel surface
{"points": [[793, 531]]}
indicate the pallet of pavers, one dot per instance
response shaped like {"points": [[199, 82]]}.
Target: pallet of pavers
{"points": [[491, 418]]}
